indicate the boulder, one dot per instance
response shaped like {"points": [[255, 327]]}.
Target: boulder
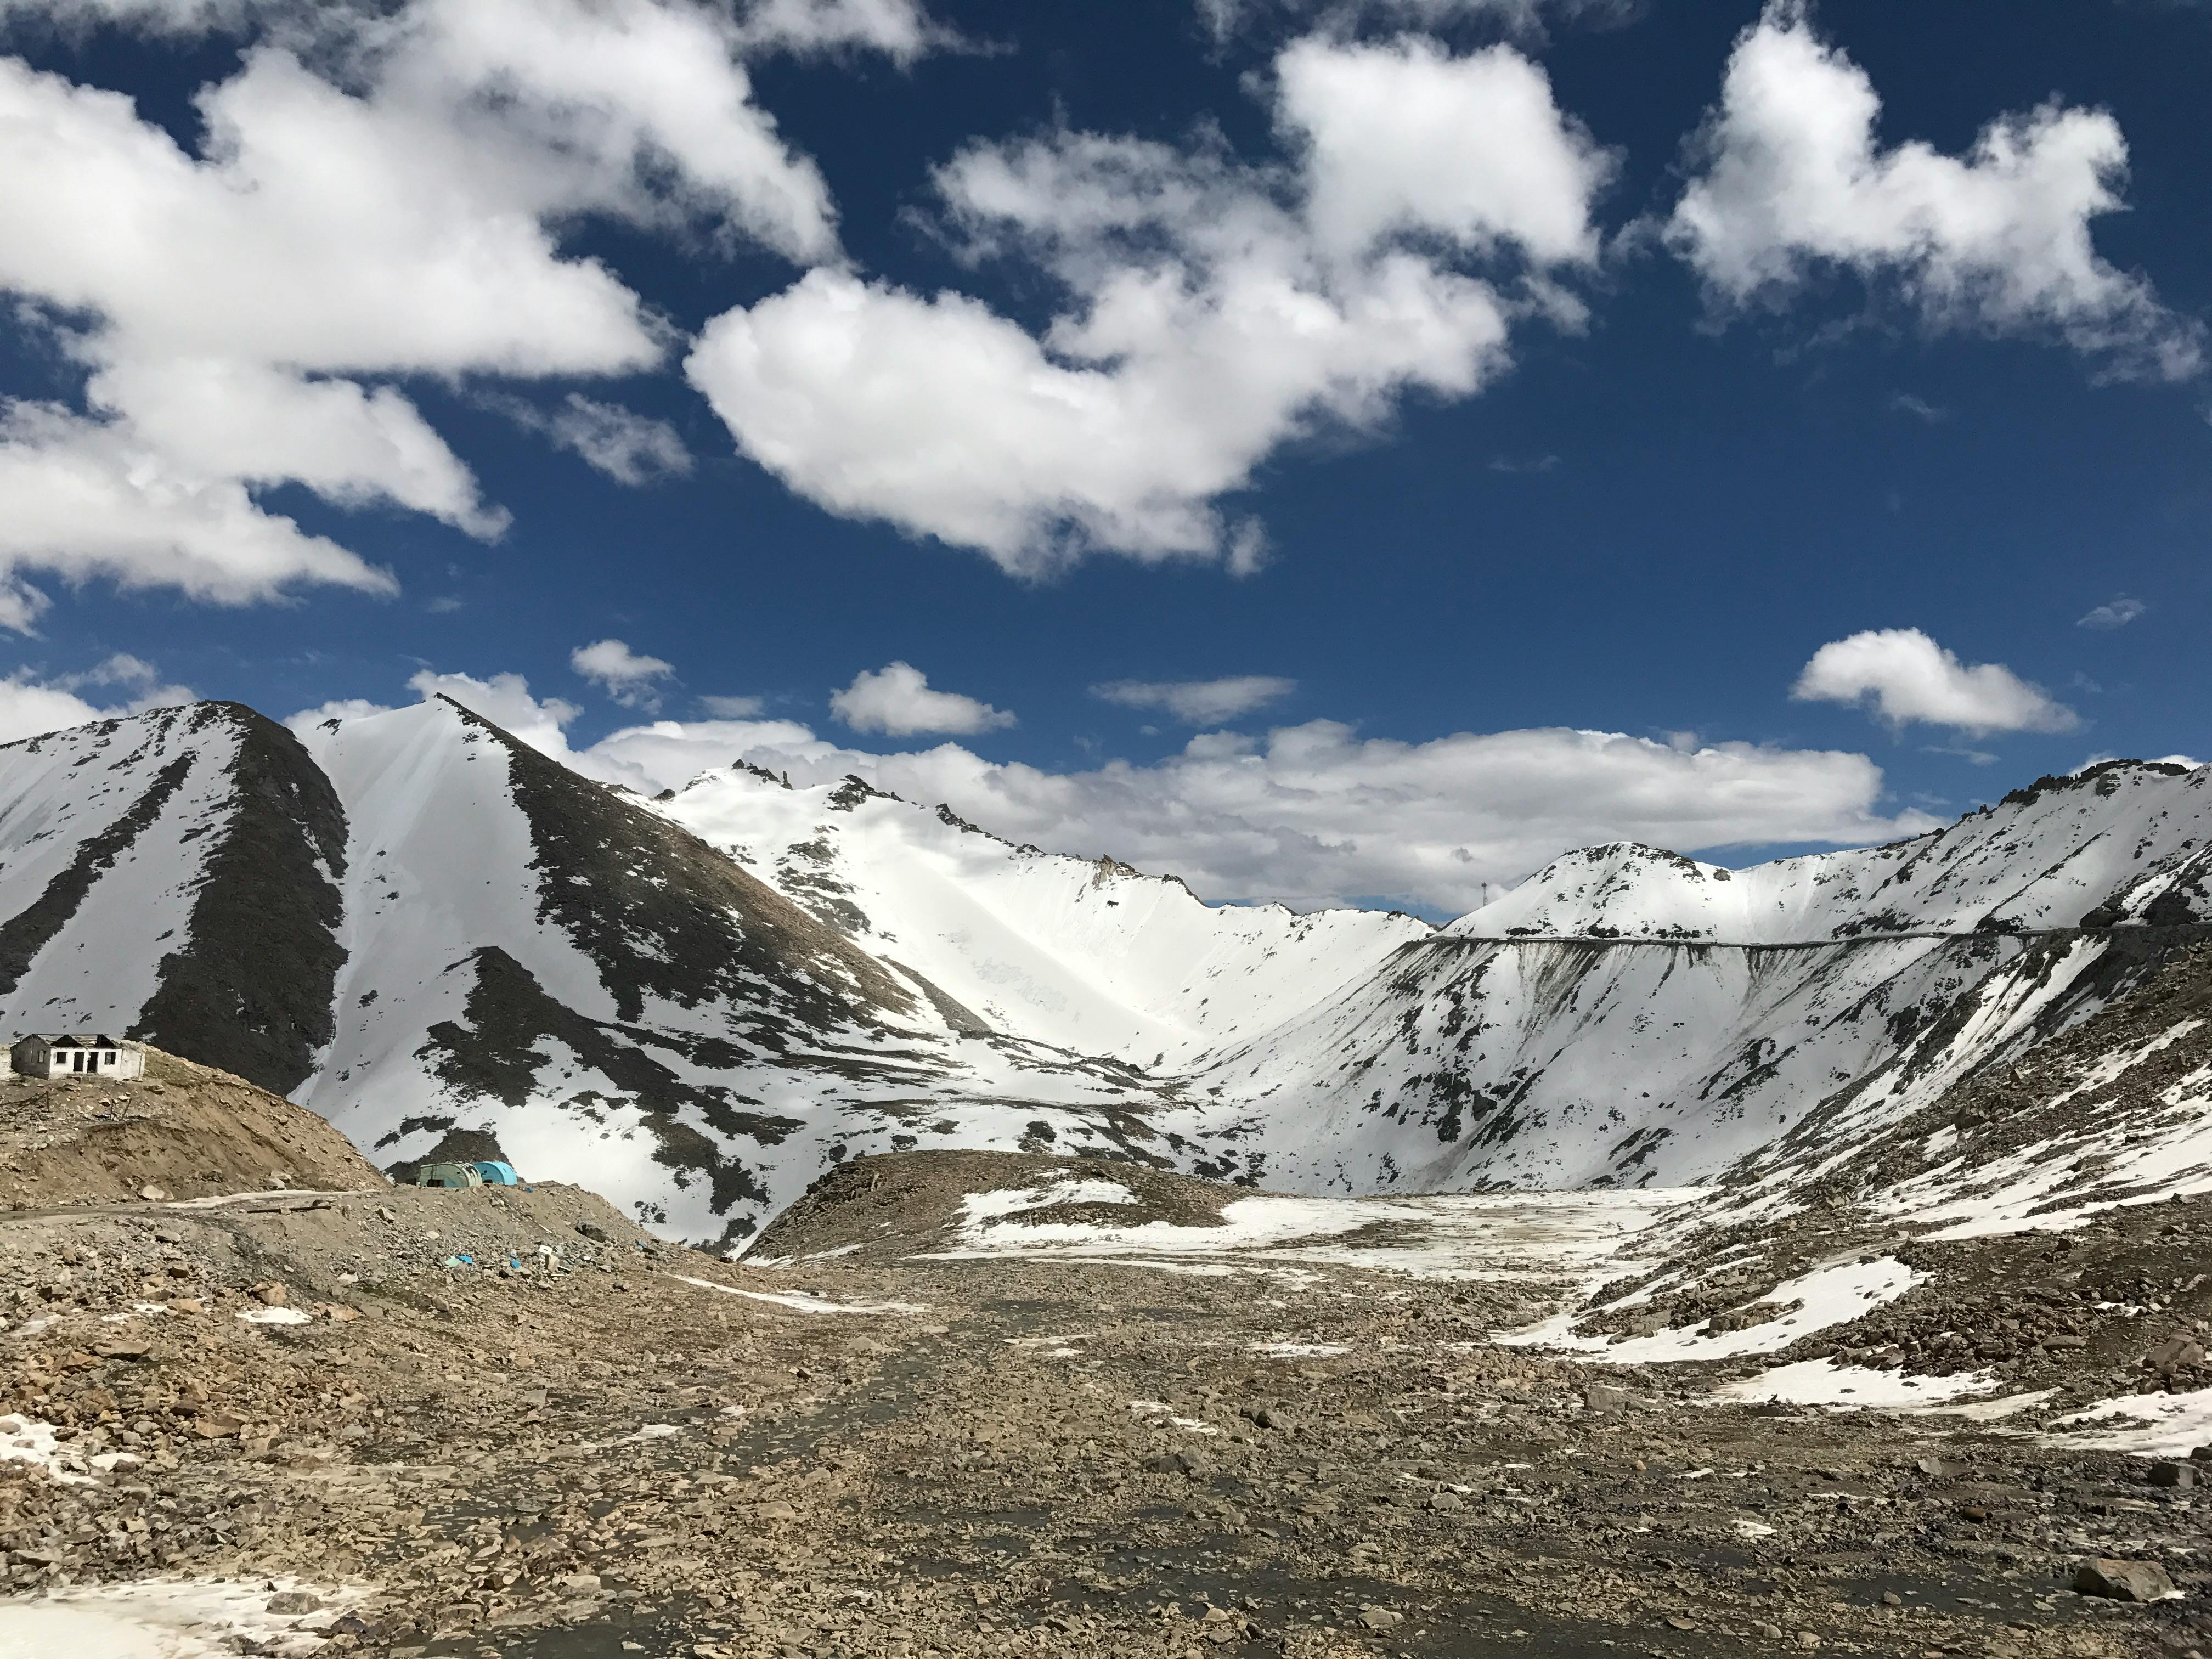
{"points": [[2122, 1581]]}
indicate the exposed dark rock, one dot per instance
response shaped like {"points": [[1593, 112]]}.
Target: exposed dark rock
{"points": [[251, 988]]}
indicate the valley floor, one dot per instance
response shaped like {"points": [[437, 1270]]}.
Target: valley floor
{"points": [[969, 1404]]}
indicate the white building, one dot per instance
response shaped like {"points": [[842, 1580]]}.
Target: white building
{"points": [[83, 1055]]}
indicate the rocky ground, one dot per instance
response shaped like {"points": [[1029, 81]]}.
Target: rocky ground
{"points": [[425, 1422], [181, 1131]]}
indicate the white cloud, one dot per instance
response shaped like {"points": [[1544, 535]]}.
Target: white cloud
{"points": [[1198, 702], [1523, 19], [2113, 613], [625, 675], [631, 448], [731, 708], [1295, 816], [1997, 240], [505, 700], [899, 29], [1213, 312], [896, 699], [1404, 139], [669, 754], [338, 709], [1903, 677], [379, 195], [28, 710], [86, 500], [30, 707]]}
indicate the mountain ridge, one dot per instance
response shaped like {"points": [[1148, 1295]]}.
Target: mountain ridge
{"points": [[439, 937]]}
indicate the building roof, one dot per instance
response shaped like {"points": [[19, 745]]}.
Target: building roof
{"points": [[78, 1040]]}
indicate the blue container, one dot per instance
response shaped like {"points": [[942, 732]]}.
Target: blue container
{"points": [[499, 1175]]}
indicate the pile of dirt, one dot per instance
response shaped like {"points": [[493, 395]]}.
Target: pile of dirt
{"points": [[898, 1202], [181, 1131]]}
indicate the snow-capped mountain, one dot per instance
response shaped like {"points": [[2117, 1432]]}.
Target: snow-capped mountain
{"points": [[1091, 956], [1628, 1016], [441, 939]]}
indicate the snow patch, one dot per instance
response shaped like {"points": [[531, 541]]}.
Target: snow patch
{"points": [[1824, 1382], [2146, 1424], [165, 1618], [1832, 1294], [805, 1302], [30, 1440]]}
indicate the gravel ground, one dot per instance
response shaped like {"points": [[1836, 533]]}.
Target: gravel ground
{"points": [[476, 1422]]}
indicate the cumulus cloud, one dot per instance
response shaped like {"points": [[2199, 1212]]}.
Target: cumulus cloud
{"points": [[731, 708], [1522, 18], [896, 699], [629, 678], [2116, 613], [631, 448], [505, 700], [1292, 816], [30, 707], [899, 29], [1792, 180], [1903, 677], [1211, 311], [380, 194], [1198, 702]]}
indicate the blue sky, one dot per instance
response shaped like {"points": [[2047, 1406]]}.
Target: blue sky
{"points": [[1453, 375]]}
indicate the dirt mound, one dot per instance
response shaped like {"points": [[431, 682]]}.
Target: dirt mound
{"points": [[182, 1131], [898, 1202]]}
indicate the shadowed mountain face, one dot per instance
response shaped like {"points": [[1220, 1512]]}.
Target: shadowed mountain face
{"points": [[174, 875], [440, 938]]}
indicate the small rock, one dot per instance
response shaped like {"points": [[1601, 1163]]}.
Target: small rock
{"points": [[153, 1194], [295, 1601], [187, 1304], [1605, 1398], [1445, 1501], [2175, 1353], [592, 1230], [2122, 1581], [272, 1294], [1380, 1618], [2172, 1474]]}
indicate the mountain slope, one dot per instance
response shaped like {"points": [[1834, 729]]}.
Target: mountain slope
{"points": [[1629, 1017], [173, 876], [539, 962], [1086, 955], [448, 944]]}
